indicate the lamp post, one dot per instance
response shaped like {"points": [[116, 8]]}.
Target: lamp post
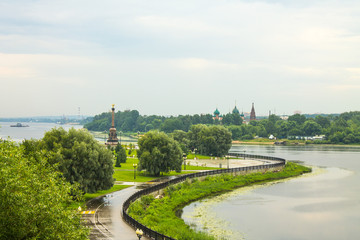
{"points": [[134, 165], [139, 233], [184, 157], [228, 157], [244, 154], [195, 152], [105, 136]]}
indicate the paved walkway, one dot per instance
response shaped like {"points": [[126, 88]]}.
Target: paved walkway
{"points": [[104, 216], [107, 222]]}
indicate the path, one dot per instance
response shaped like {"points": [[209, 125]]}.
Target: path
{"points": [[105, 213], [107, 222]]}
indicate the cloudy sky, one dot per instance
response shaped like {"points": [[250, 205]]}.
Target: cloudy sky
{"points": [[178, 57]]}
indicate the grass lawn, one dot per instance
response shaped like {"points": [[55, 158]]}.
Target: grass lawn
{"points": [[115, 188], [89, 196], [125, 173], [190, 167], [198, 156], [128, 175]]}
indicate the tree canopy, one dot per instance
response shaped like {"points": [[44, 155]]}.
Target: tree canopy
{"points": [[159, 153], [120, 154], [341, 128], [210, 140], [35, 198], [79, 157]]}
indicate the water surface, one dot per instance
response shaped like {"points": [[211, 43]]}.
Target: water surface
{"points": [[35, 130], [321, 205]]}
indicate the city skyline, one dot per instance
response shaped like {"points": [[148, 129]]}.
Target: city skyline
{"points": [[177, 58]]}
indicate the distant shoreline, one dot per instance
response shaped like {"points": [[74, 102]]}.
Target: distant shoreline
{"points": [[293, 144]]}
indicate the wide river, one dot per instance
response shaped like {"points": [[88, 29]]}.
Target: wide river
{"points": [[324, 204], [35, 130]]}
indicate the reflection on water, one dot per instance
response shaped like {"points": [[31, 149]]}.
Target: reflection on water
{"points": [[321, 205]]}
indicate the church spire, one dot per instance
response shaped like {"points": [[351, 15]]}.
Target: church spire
{"points": [[252, 113]]}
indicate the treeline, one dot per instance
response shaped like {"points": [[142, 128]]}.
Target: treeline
{"points": [[343, 128], [132, 121]]}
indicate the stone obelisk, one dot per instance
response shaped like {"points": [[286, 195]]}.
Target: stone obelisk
{"points": [[112, 140]]}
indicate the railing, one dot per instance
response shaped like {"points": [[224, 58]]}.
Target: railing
{"points": [[156, 235]]}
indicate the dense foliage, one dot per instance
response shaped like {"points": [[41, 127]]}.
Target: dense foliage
{"points": [[120, 155], [159, 153], [159, 214], [78, 156], [35, 198], [343, 128], [212, 140], [132, 121]]}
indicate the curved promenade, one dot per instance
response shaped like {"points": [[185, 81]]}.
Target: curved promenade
{"points": [[279, 162]]}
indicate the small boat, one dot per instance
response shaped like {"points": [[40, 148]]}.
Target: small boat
{"points": [[19, 125]]}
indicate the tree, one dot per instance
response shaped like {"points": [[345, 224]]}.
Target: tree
{"points": [[323, 121], [80, 158], [311, 128], [298, 118], [120, 155], [212, 140], [35, 198], [159, 153], [171, 124], [182, 138]]}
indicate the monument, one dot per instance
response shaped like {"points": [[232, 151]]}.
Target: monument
{"points": [[112, 140]]}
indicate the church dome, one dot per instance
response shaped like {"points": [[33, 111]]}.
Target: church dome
{"points": [[216, 112], [235, 110]]}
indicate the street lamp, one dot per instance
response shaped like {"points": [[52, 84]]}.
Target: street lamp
{"points": [[139, 233], [134, 165], [184, 157], [195, 152], [244, 154]]}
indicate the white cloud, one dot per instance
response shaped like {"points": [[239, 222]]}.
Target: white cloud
{"points": [[196, 55]]}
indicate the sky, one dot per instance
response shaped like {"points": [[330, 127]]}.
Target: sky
{"points": [[178, 57]]}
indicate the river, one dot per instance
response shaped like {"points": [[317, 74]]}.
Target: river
{"points": [[35, 130], [322, 205]]}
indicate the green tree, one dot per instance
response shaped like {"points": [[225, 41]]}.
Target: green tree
{"points": [[311, 128], [171, 124], [159, 153], [298, 118], [35, 198], [212, 140], [120, 155], [183, 139], [80, 158], [323, 121]]}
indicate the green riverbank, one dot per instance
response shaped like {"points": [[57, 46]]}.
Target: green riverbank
{"points": [[160, 214]]}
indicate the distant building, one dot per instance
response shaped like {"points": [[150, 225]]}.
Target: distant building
{"points": [[217, 115], [236, 111], [252, 113]]}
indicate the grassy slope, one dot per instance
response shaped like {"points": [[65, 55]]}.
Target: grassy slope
{"points": [[159, 214]]}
